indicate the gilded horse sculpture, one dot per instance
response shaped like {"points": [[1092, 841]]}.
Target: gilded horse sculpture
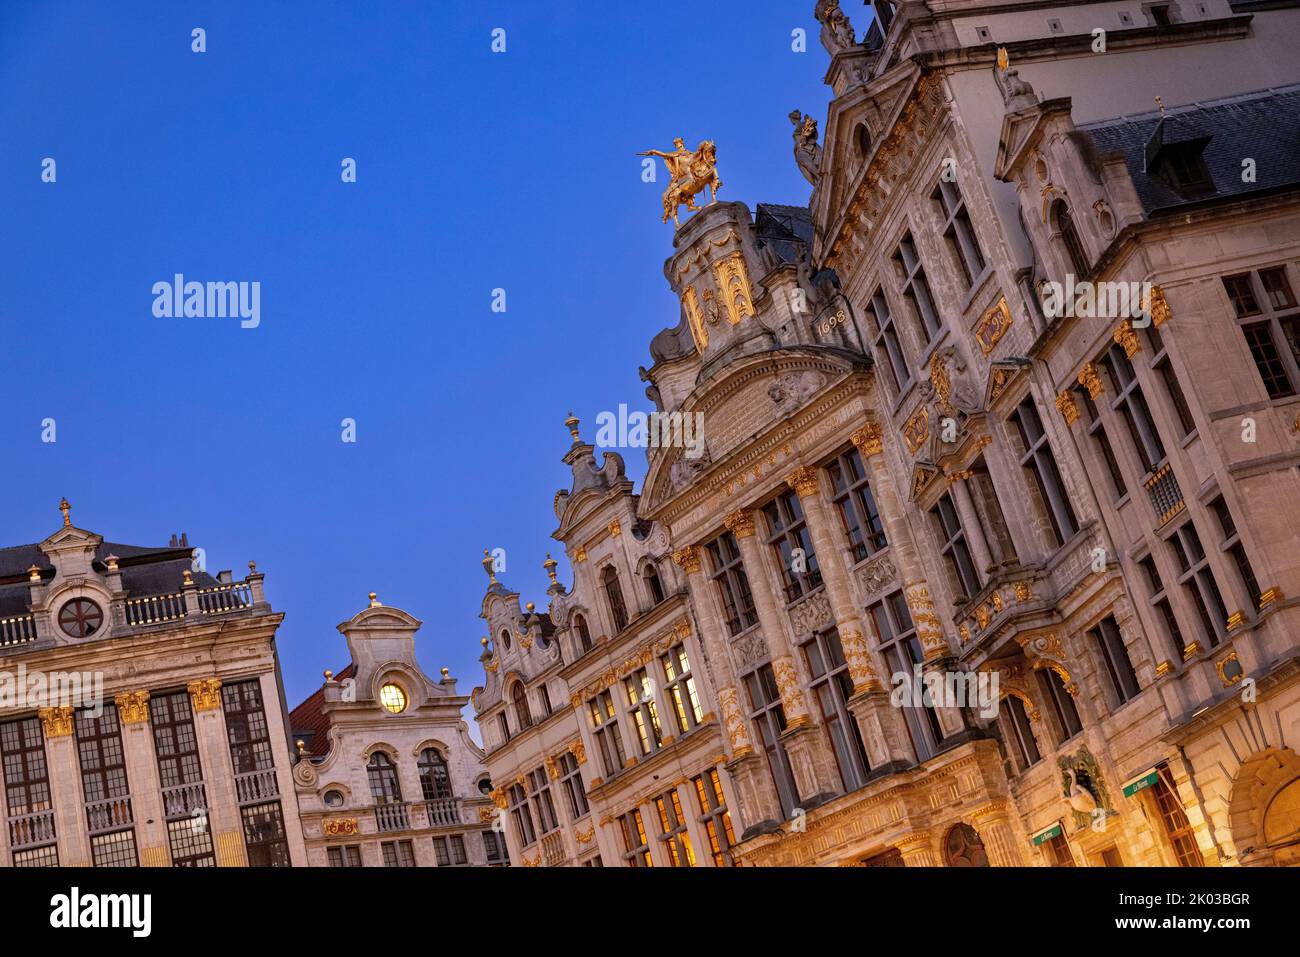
{"points": [[689, 173]]}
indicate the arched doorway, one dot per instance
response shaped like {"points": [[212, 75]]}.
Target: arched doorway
{"points": [[963, 847], [1265, 809]]}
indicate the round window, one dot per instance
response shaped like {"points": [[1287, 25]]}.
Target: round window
{"points": [[333, 798], [392, 698], [80, 618]]}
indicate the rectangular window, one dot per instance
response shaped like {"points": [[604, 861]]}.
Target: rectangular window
{"points": [[1163, 368], [733, 583], [769, 717], [832, 687], [957, 230], [264, 835], [504, 727], [246, 728], [545, 697], [1097, 432], [789, 537], [1178, 828], [494, 847], [1231, 545], [520, 815], [916, 289], [190, 840], [450, 851], [1019, 734], [857, 506], [1274, 337], [1058, 851], [539, 794], [1131, 405], [642, 712], [714, 816], [348, 855], [1119, 668], [571, 779], [604, 725], [679, 688], [963, 577], [398, 853], [904, 655], [27, 793], [889, 351], [1062, 704], [1197, 581], [636, 846], [988, 510], [673, 833], [177, 749], [104, 784], [1040, 467]]}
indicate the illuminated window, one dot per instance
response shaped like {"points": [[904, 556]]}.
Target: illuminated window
{"points": [[673, 829], [393, 698], [714, 816]]}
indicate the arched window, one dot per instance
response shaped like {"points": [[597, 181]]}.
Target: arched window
{"points": [[653, 584], [435, 782], [505, 638], [962, 847], [614, 592], [862, 140], [383, 779], [520, 697], [1070, 237], [584, 633]]}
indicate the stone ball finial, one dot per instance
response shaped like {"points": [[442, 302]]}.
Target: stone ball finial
{"points": [[446, 672], [483, 642], [302, 748], [329, 675], [374, 601], [529, 606], [252, 567]]}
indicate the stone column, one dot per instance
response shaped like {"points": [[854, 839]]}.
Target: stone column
{"points": [[993, 823], [65, 786], [811, 762], [224, 822], [970, 521], [142, 774], [917, 850]]}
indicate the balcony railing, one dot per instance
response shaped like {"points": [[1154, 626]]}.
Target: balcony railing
{"points": [[1166, 496], [31, 830], [553, 852], [182, 800], [393, 817], [227, 597], [253, 787], [110, 814], [18, 630], [443, 811], [153, 609]]}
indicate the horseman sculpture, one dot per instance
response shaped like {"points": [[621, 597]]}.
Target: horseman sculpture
{"points": [[689, 173]]}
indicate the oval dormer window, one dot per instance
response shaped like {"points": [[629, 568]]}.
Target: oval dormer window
{"points": [[393, 698], [80, 618]]}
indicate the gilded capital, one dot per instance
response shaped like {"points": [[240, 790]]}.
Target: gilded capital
{"points": [[132, 706], [740, 523], [205, 693], [688, 558], [868, 439], [1127, 338], [804, 481], [1091, 380], [1065, 405], [1158, 307], [57, 721]]}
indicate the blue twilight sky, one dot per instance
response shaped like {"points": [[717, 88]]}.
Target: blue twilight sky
{"points": [[474, 171]]}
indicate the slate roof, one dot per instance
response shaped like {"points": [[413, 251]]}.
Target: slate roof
{"points": [[1263, 126], [787, 229]]}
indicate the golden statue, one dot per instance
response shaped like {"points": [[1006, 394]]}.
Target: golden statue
{"points": [[689, 173]]}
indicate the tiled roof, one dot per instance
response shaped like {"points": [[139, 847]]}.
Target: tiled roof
{"points": [[309, 723], [1263, 126]]}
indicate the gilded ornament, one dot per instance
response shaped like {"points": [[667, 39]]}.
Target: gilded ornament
{"points": [[1127, 338], [732, 278], [993, 325], [689, 173], [205, 693], [1158, 307], [688, 558], [132, 706], [804, 481], [917, 429], [57, 721], [942, 383], [1065, 405], [340, 827], [868, 439], [740, 523], [615, 529], [1090, 380]]}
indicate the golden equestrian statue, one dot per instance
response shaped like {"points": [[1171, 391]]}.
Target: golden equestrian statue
{"points": [[689, 173]]}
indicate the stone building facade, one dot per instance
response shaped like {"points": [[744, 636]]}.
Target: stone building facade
{"points": [[387, 772], [141, 710], [1012, 409]]}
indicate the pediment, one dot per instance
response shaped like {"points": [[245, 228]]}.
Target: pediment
{"points": [[1020, 130], [923, 474], [70, 536], [1003, 374]]}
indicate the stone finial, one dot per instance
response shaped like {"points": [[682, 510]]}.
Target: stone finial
{"points": [[66, 509], [329, 675], [187, 579], [446, 673], [33, 573], [374, 601], [483, 642], [529, 606], [252, 567], [550, 565], [489, 566], [111, 562], [302, 748], [572, 423]]}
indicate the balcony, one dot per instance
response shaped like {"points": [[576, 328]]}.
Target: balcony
{"points": [[220, 599], [253, 787], [18, 630], [443, 812], [31, 830], [110, 814], [393, 817], [1165, 494], [182, 800], [154, 609], [191, 603], [553, 852]]}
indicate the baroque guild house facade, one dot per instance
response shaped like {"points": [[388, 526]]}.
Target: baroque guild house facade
{"points": [[937, 442]]}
